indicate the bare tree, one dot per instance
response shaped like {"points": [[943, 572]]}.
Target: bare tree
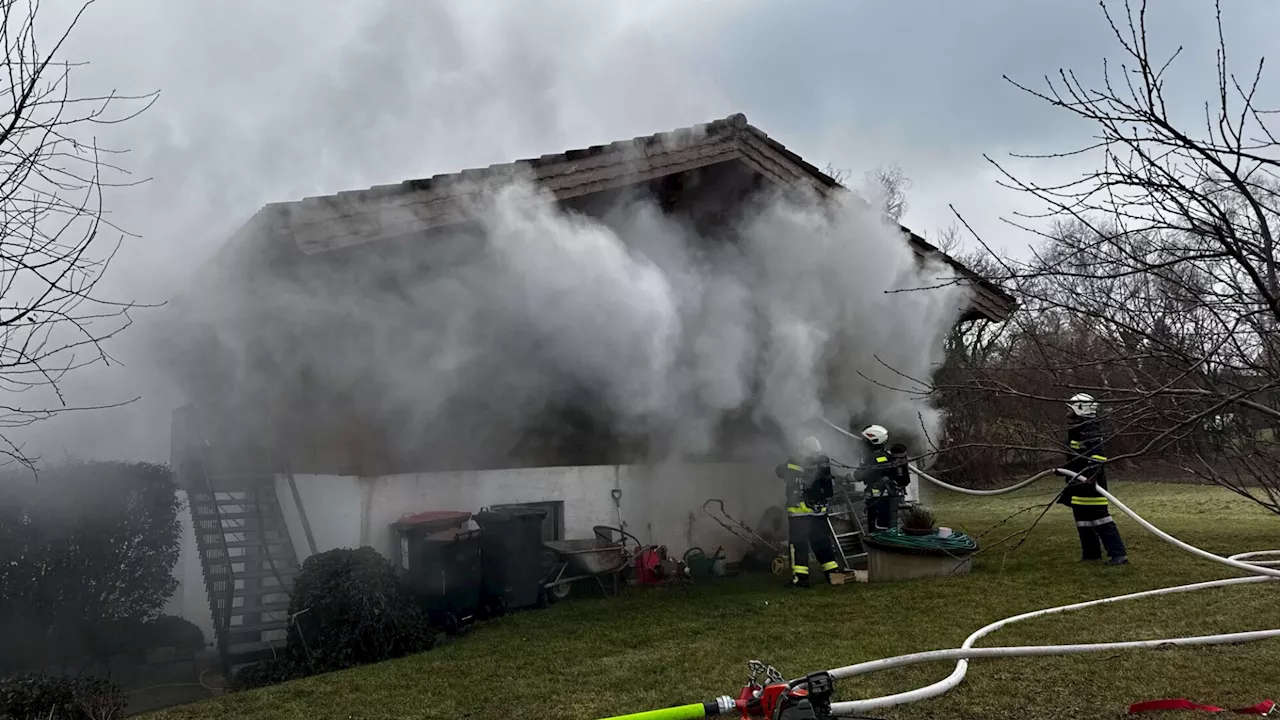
{"points": [[52, 174], [883, 187], [888, 186], [1156, 289]]}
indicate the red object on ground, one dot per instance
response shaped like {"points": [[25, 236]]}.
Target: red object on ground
{"points": [[1263, 708], [648, 566], [433, 520], [763, 707]]}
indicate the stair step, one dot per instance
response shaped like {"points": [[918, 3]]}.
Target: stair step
{"points": [[256, 543], [258, 627], [842, 536], [226, 516], [213, 534], [270, 590], [287, 573], [207, 503], [271, 607], [215, 568]]}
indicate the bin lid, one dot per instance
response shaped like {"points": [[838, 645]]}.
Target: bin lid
{"points": [[437, 518], [507, 514], [452, 534]]}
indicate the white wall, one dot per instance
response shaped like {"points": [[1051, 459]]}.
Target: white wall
{"points": [[660, 504], [334, 506]]}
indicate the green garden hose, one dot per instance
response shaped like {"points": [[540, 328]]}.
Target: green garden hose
{"points": [[956, 542], [696, 711]]}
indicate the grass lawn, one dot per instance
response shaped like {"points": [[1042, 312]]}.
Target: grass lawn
{"points": [[654, 648]]}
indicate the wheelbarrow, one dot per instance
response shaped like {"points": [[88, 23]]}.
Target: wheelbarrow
{"points": [[606, 555]]}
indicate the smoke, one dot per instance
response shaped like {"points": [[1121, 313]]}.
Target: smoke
{"points": [[467, 343], [631, 314]]}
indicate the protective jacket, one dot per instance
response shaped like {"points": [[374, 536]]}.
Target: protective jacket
{"points": [[1085, 457], [809, 487], [883, 474], [1092, 511]]}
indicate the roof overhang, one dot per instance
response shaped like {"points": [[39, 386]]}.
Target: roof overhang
{"points": [[323, 224]]}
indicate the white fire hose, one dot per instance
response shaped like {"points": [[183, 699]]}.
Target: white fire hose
{"points": [[966, 651]]}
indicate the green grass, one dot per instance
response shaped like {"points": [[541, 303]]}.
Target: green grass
{"points": [[654, 648]]}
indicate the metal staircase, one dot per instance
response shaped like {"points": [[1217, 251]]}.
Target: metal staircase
{"points": [[245, 551], [844, 518]]}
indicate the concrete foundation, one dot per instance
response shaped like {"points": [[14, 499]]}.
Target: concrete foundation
{"points": [[889, 566]]}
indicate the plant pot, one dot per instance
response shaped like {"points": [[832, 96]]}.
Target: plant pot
{"points": [[919, 532]]}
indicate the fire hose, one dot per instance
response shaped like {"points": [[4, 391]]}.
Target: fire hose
{"points": [[795, 689]]}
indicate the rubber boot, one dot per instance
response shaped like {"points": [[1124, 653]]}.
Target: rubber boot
{"points": [[1119, 560], [800, 581]]}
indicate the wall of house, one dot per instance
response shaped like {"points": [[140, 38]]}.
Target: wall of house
{"points": [[334, 505], [659, 504]]}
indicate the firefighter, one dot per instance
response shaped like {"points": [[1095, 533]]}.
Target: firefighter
{"points": [[886, 476], [1091, 510], [810, 488]]}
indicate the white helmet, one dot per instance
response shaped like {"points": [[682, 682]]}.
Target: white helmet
{"points": [[875, 434], [810, 447], [1083, 404]]}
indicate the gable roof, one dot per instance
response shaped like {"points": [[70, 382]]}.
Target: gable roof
{"points": [[321, 224]]}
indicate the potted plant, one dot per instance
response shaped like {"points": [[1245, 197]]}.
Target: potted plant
{"points": [[916, 520]]}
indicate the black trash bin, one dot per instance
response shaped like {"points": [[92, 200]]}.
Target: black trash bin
{"points": [[441, 564], [512, 547]]}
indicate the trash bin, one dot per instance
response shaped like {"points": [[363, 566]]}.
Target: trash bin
{"points": [[512, 550], [440, 562]]}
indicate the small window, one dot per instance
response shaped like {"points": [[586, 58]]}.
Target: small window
{"points": [[552, 524]]}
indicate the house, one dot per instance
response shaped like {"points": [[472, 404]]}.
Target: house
{"points": [[286, 450]]}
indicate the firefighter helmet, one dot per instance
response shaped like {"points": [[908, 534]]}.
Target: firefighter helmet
{"points": [[1083, 404], [875, 434]]}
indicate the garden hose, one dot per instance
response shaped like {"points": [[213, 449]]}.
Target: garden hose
{"points": [[1259, 569], [895, 537], [695, 711]]}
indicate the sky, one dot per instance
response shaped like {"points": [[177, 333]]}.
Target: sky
{"points": [[274, 101]]}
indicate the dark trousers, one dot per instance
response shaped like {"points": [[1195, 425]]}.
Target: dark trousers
{"points": [[810, 531], [1097, 532], [879, 513]]}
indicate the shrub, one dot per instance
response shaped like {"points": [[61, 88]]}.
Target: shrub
{"points": [[26, 647], [54, 697], [351, 608], [916, 517], [289, 666], [83, 547]]}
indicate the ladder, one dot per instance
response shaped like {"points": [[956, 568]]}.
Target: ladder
{"points": [[844, 519]]}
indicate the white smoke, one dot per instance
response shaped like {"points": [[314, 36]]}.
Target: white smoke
{"points": [[660, 332]]}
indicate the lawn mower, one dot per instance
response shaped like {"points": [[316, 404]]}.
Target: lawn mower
{"points": [[771, 553], [766, 696]]}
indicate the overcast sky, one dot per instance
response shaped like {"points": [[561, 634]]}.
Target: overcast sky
{"points": [[273, 101]]}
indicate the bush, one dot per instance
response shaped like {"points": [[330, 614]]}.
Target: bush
{"points": [[53, 697], [28, 648], [85, 549], [351, 608], [289, 666]]}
